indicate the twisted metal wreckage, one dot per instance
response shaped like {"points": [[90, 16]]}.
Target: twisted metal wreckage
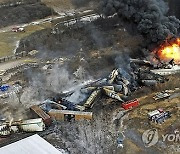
{"points": [[115, 86]]}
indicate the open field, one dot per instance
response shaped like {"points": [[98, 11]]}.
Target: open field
{"points": [[69, 5], [9, 39], [59, 4]]}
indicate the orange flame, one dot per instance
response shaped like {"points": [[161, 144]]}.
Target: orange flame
{"points": [[170, 52]]}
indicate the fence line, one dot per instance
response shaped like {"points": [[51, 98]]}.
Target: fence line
{"points": [[13, 57]]}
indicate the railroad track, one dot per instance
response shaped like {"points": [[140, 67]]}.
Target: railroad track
{"points": [[19, 136]]}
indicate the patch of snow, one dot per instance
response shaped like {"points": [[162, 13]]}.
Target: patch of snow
{"points": [[17, 45]]}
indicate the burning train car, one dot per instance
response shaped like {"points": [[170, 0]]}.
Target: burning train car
{"points": [[169, 50]]}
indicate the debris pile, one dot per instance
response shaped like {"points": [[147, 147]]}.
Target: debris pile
{"points": [[8, 91]]}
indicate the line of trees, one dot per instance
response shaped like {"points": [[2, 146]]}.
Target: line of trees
{"points": [[23, 13]]}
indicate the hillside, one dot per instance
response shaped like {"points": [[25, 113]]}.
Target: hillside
{"points": [[67, 5], [12, 13]]}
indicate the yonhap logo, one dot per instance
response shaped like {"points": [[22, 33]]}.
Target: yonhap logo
{"points": [[150, 137]]}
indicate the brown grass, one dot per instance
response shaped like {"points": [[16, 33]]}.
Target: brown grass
{"points": [[8, 39], [59, 5], [174, 82]]}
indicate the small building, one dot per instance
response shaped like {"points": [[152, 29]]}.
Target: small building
{"points": [[30, 145], [130, 104]]}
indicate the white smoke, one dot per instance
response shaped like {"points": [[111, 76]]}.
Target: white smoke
{"points": [[57, 81]]}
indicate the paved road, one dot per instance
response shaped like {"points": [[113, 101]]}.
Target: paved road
{"points": [[47, 19]]}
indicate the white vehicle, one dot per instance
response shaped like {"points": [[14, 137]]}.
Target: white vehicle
{"points": [[154, 113], [18, 29]]}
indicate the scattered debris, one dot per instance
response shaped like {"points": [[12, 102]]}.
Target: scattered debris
{"points": [[33, 52], [8, 91]]}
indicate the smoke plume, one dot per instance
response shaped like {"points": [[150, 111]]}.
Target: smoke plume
{"points": [[149, 16], [122, 62], [58, 80]]}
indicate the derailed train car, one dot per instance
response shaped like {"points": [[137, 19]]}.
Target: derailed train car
{"points": [[113, 94], [89, 102], [66, 115], [38, 111], [30, 125]]}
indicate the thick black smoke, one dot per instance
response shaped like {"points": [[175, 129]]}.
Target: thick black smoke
{"points": [[149, 15]]}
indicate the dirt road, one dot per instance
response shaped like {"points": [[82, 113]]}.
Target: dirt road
{"points": [[8, 65]]}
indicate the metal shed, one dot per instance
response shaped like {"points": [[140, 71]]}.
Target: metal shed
{"points": [[30, 145]]}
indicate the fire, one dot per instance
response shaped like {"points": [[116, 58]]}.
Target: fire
{"points": [[169, 52]]}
